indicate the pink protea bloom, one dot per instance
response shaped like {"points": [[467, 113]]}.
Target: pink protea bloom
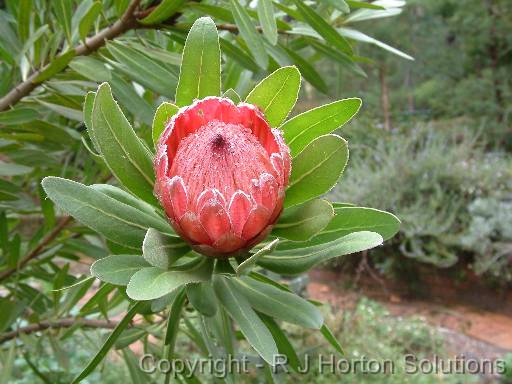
{"points": [[221, 173]]}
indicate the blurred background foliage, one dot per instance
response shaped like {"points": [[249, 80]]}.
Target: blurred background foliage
{"points": [[431, 144]]}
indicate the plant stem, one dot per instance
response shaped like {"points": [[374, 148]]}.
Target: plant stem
{"points": [[61, 323]]}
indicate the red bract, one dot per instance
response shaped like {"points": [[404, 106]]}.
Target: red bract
{"points": [[221, 172]]}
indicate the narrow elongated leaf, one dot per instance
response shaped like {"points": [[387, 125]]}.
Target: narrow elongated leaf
{"points": [[323, 27], [232, 95], [113, 219], [355, 219], [307, 70], [369, 14], [304, 128], [152, 283], [91, 68], [249, 33], [89, 19], [284, 345], [118, 269], [248, 264], [128, 199], [124, 153], [360, 36], [276, 94], [18, 116], [173, 320], [331, 339], [163, 11], [200, 67], [143, 69], [8, 364], [302, 222], [280, 304], [55, 66], [268, 20], [340, 4], [237, 54], [202, 298], [108, 343], [63, 12], [162, 116], [316, 169], [251, 326], [300, 260], [24, 12], [363, 4], [163, 251], [9, 169]]}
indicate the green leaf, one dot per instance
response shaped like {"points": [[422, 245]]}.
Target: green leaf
{"points": [[200, 67], [251, 326], [143, 69], [283, 344], [304, 128], [294, 261], [369, 14], [331, 339], [232, 95], [129, 98], [89, 19], [249, 33], [280, 304], [91, 68], [354, 219], [56, 65], [161, 250], [276, 94], [340, 5], [173, 320], [338, 57], [302, 222], [118, 269], [268, 20], [18, 116], [323, 28], [8, 364], [247, 265], [163, 11], [359, 36], [238, 55], [126, 156], [307, 70], [119, 222], [152, 283], [108, 343], [202, 298], [162, 116], [128, 199], [316, 169], [9, 169], [63, 13], [362, 4], [24, 12]]}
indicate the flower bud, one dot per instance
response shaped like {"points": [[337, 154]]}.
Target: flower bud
{"points": [[221, 173]]}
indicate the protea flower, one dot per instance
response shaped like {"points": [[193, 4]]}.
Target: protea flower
{"points": [[221, 173]]}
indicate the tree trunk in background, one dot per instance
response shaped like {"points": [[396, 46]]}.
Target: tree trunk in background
{"points": [[384, 97], [494, 54], [408, 83]]}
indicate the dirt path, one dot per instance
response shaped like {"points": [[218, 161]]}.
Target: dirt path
{"points": [[471, 329]]}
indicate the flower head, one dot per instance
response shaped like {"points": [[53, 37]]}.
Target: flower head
{"points": [[221, 172]]}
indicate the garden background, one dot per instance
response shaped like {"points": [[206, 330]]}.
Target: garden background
{"points": [[431, 144]]}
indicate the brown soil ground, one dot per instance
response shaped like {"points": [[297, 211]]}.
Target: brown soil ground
{"points": [[476, 320]]}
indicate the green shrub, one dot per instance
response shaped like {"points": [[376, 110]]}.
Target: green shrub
{"points": [[451, 193]]}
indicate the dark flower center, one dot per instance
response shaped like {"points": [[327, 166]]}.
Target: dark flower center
{"points": [[218, 141]]}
